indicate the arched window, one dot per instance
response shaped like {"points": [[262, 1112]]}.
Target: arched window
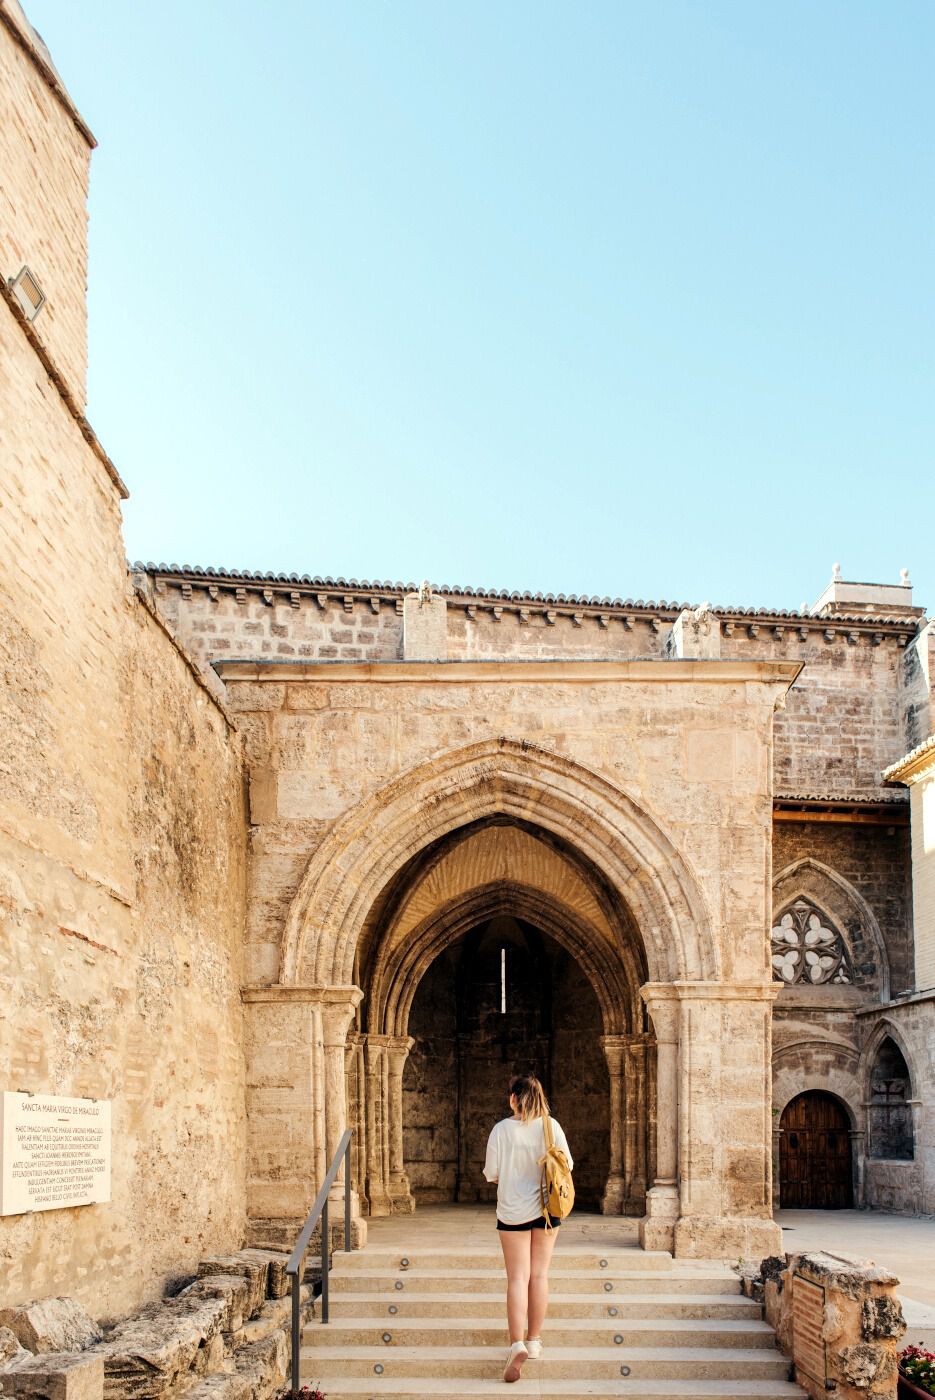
{"points": [[805, 949], [890, 1111]]}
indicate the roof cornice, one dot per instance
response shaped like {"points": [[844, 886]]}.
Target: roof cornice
{"points": [[295, 586], [918, 764]]}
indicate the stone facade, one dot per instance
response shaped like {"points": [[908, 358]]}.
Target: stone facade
{"points": [[283, 855], [122, 829]]}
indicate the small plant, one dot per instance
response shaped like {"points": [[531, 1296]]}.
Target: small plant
{"points": [[918, 1366], [308, 1392]]}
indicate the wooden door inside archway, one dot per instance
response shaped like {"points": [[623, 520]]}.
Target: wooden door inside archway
{"points": [[815, 1154]]}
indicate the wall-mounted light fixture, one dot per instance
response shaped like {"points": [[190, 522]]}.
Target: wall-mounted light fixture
{"points": [[29, 294]]}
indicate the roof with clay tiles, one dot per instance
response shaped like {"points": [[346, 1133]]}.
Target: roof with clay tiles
{"points": [[198, 573]]}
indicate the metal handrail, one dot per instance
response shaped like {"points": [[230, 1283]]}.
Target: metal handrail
{"points": [[296, 1258]]}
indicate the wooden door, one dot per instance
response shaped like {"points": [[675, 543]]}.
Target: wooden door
{"points": [[815, 1154]]}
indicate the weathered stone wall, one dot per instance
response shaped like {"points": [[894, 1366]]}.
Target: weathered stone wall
{"points": [[847, 717], [44, 160], [580, 1088], [430, 1086], [121, 875]]}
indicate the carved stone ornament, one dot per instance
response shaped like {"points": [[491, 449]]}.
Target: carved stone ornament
{"points": [[805, 949]]}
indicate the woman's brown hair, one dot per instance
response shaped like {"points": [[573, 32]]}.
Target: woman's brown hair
{"points": [[531, 1101]]}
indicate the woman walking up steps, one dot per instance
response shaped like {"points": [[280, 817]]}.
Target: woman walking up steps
{"points": [[514, 1151]]}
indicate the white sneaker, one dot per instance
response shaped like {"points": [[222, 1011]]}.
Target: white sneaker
{"points": [[534, 1347], [515, 1359]]}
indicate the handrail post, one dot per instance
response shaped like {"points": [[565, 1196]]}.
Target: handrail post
{"points": [[347, 1199], [296, 1265], [296, 1329], [325, 1261]]}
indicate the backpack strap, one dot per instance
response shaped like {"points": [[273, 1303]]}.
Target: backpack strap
{"points": [[543, 1184]]}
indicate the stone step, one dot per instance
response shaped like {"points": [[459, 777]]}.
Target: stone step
{"points": [[374, 1258], [438, 1303], [382, 1335], [624, 1280], [366, 1388], [332, 1363]]}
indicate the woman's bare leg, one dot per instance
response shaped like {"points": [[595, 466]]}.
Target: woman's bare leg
{"points": [[543, 1242], [516, 1256]]}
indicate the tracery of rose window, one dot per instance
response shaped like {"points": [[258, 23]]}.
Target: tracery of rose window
{"points": [[805, 949]]}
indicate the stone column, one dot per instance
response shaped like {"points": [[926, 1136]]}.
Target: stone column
{"points": [[858, 1166], [657, 1228], [635, 1143], [777, 1155], [377, 1194], [357, 1041], [296, 1106], [397, 1052], [614, 1047], [725, 1120], [338, 1005]]}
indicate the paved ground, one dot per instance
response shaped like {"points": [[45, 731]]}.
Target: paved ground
{"points": [[903, 1243]]}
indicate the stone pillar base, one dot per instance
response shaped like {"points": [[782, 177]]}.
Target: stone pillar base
{"points": [[402, 1201], [358, 1232], [726, 1237], [380, 1204], [657, 1228], [614, 1196]]}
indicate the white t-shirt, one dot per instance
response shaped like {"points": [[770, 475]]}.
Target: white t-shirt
{"points": [[513, 1152]]}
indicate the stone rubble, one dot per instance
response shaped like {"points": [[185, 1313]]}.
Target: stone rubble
{"points": [[51, 1324], [223, 1337]]}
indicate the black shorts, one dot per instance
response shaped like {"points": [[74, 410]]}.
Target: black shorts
{"points": [[537, 1224]]}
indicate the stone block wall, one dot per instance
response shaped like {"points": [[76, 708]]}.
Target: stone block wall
{"points": [[121, 875], [44, 160], [848, 716]]}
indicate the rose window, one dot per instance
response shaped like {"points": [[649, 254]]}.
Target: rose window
{"points": [[805, 949]]}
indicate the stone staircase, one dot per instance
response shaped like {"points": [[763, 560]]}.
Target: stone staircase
{"points": [[622, 1322]]}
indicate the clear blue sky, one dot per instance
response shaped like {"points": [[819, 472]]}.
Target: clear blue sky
{"points": [[618, 298]]}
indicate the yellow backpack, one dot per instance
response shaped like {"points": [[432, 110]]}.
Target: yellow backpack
{"points": [[557, 1188]]}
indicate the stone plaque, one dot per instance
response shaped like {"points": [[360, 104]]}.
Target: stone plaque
{"points": [[808, 1307], [54, 1152]]}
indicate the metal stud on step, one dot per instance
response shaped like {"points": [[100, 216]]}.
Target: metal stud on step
{"points": [[618, 1339], [398, 1284], [624, 1370], [404, 1263], [608, 1288], [612, 1312], [603, 1263], [388, 1337], [393, 1309], [378, 1369]]}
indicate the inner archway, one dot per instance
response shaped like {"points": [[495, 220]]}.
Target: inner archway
{"points": [[499, 948], [504, 999]]}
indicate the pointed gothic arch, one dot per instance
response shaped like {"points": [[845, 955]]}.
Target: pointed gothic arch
{"points": [[367, 848]]}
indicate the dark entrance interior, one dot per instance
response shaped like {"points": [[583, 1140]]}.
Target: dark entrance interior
{"points": [[815, 1154], [505, 999]]}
